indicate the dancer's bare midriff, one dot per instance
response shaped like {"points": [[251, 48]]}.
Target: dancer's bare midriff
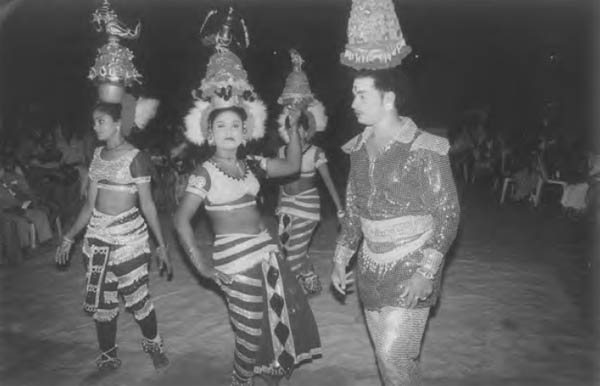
{"points": [[114, 202], [243, 220], [300, 185]]}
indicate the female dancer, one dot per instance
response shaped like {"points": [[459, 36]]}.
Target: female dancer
{"points": [[299, 207], [273, 324], [115, 245]]}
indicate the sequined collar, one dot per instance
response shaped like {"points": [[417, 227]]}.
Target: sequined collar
{"points": [[405, 134]]}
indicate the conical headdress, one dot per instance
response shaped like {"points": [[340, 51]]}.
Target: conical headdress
{"points": [[225, 85], [297, 92], [375, 39]]}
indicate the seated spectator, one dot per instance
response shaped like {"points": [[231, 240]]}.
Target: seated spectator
{"points": [[10, 245], [18, 203], [525, 173], [74, 160]]}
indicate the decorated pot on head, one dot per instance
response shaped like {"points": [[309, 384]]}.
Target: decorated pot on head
{"points": [[375, 39], [297, 93], [113, 70]]}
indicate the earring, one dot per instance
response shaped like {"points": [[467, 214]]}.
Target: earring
{"points": [[211, 139]]}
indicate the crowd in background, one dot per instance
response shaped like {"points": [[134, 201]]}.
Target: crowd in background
{"points": [[527, 165], [43, 171]]}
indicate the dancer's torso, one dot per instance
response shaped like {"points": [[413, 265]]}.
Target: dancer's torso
{"points": [[230, 202], [312, 158], [117, 189]]}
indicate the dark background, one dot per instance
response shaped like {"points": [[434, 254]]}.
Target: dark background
{"points": [[510, 56]]}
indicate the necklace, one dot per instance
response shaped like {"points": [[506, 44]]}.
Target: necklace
{"points": [[233, 159], [233, 163]]}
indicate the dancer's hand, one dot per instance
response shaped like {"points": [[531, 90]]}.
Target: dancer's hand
{"points": [[164, 262], [219, 277], [415, 289], [293, 114], [339, 278], [62, 252]]}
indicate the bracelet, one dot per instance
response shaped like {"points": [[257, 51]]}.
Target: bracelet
{"points": [[68, 240], [162, 247], [340, 260], [189, 251], [341, 213], [192, 255]]}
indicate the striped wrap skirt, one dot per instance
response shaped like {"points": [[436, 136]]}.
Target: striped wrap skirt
{"points": [[273, 324], [306, 204]]}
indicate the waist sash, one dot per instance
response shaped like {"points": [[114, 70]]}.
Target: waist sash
{"points": [[125, 228], [391, 240]]}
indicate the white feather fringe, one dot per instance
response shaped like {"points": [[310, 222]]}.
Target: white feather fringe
{"points": [[316, 109], [145, 110], [194, 122], [257, 116]]}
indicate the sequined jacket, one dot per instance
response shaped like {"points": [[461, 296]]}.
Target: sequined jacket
{"points": [[411, 178]]}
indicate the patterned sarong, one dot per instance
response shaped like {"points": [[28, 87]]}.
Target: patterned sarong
{"points": [[117, 252], [306, 204], [273, 324], [298, 217]]}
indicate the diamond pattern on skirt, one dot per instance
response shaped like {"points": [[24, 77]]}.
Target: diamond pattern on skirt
{"points": [[286, 220], [284, 238], [285, 235], [282, 332], [272, 276], [286, 360], [277, 304]]}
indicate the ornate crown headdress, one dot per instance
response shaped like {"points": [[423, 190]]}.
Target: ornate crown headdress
{"points": [[297, 92], [224, 85], [227, 35], [375, 39]]}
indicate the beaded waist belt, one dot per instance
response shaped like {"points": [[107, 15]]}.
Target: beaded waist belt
{"points": [[389, 241]]}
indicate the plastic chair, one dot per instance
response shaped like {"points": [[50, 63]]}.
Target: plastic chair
{"points": [[507, 180], [505, 184], [32, 236], [543, 180]]}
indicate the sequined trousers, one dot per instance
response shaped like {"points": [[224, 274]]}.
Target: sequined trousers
{"points": [[116, 251], [397, 334], [273, 324]]}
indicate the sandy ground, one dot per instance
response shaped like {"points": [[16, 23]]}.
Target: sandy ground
{"points": [[515, 310]]}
